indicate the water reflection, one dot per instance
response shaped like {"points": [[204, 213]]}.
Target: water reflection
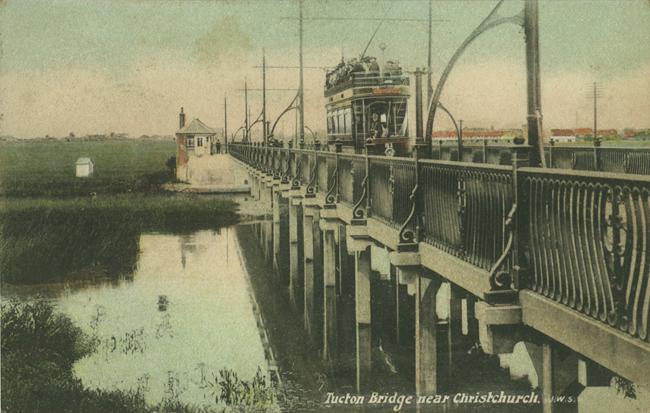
{"points": [[186, 315]]}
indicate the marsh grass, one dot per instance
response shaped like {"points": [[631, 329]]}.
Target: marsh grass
{"points": [[245, 395], [40, 346], [45, 239]]}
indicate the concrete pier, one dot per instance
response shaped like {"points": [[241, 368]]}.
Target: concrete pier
{"points": [[363, 334]]}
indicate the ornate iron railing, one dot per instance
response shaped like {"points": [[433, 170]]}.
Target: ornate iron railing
{"points": [[627, 159], [465, 208], [581, 238], [346, 178], [590, 244], [321, 173]]}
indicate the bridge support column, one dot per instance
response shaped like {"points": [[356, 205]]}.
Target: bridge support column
{"points": [[497, 326], [295, 266], [329, 225], [275, 202], [454, 332], [284, 246], [253, 179], [363, 331], [427, 357], [310, 213], [266, 230], [358, 243], [319, 280], [427, 353], [329, 294], [557, 373], [257, 194], [267, 190]]}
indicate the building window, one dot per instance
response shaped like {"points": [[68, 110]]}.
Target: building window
{"points": [[339, 121], [199, 141], [190, 142], [347, 120]]}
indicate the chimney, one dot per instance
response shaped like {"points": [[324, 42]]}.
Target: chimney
{"points": [[181, 119]]}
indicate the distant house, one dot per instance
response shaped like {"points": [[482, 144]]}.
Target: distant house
{"points": [[563, 135], [584, 132], [192, 140], [477, 134], [84, 168], [608, 133]]}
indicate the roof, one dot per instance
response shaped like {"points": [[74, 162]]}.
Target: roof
{"points": [[196, 127], [82, 161], [562, 132], [469, 134]]}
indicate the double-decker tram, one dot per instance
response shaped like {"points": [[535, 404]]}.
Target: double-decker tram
{"points": [[368, 100]]}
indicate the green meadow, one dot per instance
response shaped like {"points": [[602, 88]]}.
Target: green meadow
{"points": [[47, 168], [54, 225]]}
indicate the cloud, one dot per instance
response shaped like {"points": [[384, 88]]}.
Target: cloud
{"points": [[224, 42], [493, 93], [146, 99]]}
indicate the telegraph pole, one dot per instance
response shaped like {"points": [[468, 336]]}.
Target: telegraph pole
{"points": [[460, 140], [264, 131], [301, 101], [418, 104], [429, 83], [225, 123], [245, 111], [595, 113], [531, 19]]}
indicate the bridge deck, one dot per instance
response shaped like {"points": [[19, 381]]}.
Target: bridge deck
{"points": [[572, 246]]}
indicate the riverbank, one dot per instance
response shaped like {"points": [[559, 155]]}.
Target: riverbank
{"points": [[40, 347], [305, 380], [48, 239]]}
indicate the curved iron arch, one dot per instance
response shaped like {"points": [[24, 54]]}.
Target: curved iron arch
{"points": [[491, 21], [292, 106]]}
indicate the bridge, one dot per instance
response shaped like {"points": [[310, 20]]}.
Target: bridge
{"points": [[556, 258]]}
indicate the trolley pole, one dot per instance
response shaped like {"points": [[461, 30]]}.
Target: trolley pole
{"points": [[460, 141], [531, 18], [595, 113], [264, 135], [418, 104], [429, 83], [245, 111], [225, 123], [301, 129]]}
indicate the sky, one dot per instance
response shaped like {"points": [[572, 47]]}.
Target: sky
{"points": [[129, 65]]}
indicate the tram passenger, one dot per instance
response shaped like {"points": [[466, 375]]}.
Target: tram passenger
{"points": [[376, 128], [373, 66]]}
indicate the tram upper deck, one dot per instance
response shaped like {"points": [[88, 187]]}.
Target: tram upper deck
{"points": [[364, 101]]}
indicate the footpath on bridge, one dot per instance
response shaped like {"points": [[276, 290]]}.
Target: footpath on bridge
{"points": [[213, 174]]}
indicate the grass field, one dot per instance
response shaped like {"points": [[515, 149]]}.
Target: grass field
{"points": [[54, 225], [47, 168]]}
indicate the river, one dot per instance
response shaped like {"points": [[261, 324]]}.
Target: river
{"points": [[189, 309], [184, 314]]}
